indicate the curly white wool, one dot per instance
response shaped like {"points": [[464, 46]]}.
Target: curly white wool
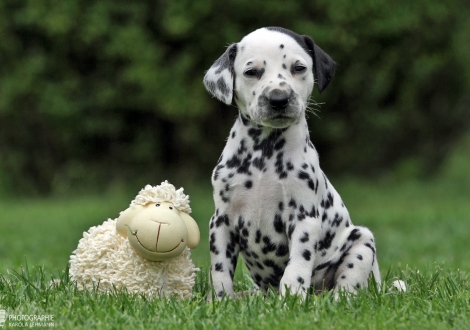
{"points": [[165, 192], [105, 261]]}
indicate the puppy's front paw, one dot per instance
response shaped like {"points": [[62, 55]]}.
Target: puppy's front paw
{"points": [[292, 285]]}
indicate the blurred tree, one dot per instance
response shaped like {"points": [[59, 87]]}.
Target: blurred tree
{"points": [[97, 91]]}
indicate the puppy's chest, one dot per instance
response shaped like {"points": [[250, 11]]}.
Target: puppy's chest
{"points": [[266, 187], [254, 189]]}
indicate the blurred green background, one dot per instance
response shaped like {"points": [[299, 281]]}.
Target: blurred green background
{"points": [[100, 97], [99, 94]]}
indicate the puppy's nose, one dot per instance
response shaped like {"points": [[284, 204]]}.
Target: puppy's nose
{"points": [[278, 100]]}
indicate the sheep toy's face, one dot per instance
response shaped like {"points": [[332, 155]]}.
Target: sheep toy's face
{"points": [[158, 231]]}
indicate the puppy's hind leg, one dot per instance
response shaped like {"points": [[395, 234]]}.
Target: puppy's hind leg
{"points": [[358, 262]]}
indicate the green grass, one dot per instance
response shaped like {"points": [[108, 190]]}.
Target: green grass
{"points": [[422, 231], [436, 300]]}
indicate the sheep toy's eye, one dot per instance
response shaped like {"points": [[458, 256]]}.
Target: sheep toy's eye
{"points": [[157, 205], [170, 207]]}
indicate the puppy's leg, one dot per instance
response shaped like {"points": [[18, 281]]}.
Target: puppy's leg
{"points": [[358, 263], [224, 249], [302, 237]]}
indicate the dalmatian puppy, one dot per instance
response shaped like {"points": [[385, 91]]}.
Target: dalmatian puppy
{"points": [[273, 204]]}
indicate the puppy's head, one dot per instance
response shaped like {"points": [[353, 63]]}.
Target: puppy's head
{"points": [[269, 74]]}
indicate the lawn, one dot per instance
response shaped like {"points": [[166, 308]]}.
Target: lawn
{"points": [[422, 230]]}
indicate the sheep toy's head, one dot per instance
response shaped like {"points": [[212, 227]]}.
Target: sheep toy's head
{"points": [[158, 231]]}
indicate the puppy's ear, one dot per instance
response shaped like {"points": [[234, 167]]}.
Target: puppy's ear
{"points": [[323, 65], [220, 77]]}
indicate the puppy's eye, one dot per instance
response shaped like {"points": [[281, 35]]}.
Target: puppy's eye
{"points": [[298, 69], [251, 73]]}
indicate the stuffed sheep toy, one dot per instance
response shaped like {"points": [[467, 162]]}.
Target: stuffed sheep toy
{"points": [[146, 250]]}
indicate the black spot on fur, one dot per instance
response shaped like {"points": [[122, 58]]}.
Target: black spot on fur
{"points": [[241, 223], [307, 255], [258, 236], [258, 163], [313, 212], [279, 224], [281, 46], [325, 243], [222, 86], [354, 235], [241, 147], [370, 247], [245, 120], [305, 176], [224, 198], [291, 230], [282, 250], [322, 266], [222, 219], [233, 162], [245, 165], [279, 144], [269, 247], [280, 165], [269, 263], [248, 184], [328, 202], [254, 133], [215, 176], [292, 203], [305, 238], [212, 246], [337, 220], [219, 267]]}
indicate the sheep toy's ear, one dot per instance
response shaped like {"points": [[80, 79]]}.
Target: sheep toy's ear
{"points": [[194, 236], [125, 217]]}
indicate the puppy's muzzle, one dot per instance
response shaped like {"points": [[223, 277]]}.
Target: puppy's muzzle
{"points": [[278, 100]]}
